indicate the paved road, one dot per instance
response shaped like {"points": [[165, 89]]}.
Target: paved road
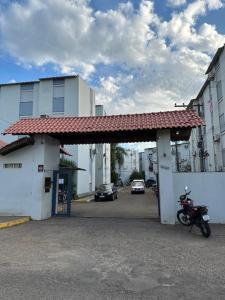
{"points": [[110, 258], [126, 206]]}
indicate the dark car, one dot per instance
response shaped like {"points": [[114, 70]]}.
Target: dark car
{"points": [[106, 192], [150, 182]]}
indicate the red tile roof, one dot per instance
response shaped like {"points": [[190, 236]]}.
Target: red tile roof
{"points": [[2, 144], [115, 123]]}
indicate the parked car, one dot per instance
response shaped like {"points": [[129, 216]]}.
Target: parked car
{"points": [[106, 192], [150, 182], [138, 186]]}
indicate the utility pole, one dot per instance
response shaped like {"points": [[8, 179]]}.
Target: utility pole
{"points": [[200, 142]]}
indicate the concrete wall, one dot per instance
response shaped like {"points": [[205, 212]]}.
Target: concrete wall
{"points": [[22, 189], [207, 188]]}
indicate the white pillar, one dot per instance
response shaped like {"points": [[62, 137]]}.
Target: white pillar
{"points": [[45, 153], [167, 205]]}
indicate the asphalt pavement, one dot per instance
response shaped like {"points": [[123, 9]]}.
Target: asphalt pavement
{"points": [[126, 206], [110, 258]]}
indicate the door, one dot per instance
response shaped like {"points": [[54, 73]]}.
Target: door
{"points": [[62, 192]]}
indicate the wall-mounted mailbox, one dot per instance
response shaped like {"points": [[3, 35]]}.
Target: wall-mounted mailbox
{"points": [[47, 184]]}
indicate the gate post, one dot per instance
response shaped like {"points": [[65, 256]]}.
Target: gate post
{"points": [[167, 205]]}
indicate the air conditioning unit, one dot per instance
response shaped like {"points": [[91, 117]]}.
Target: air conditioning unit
{"points": [[216, 138]]}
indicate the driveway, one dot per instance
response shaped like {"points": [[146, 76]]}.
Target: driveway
{"points": [[126, 206], [110, 258]]}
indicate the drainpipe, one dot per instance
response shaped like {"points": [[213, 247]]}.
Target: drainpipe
{"points": [[211, 101]]}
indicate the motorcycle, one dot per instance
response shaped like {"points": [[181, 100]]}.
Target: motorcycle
{"points": [[191, 215]]}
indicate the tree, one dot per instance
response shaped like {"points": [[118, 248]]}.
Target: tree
{"points": [[137, 175], [117, 156], [67, 163]]}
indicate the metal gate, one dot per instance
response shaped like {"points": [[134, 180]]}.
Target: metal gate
{"points": [[62, 192]]}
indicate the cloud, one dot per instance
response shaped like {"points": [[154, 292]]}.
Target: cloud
{"points": [[215, 4], [175, 3], [155, 62]]}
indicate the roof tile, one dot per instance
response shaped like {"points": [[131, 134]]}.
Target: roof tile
{"points": [[146, 121]]}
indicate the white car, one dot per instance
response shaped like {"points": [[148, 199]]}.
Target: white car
{"points": [[138, 186]]}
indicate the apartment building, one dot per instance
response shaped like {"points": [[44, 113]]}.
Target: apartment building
{"points": [[67, 96], [103, 159], [181, 159], [208, 142], [149, 161], [130, 164]]}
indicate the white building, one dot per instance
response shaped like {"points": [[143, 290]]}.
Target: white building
{"points": [[55, 96], [208, 142], [102, 160], [141, 161], [130, 164], [181, 159], [149, 159]]}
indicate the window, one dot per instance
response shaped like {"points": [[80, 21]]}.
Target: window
{"points": [[26, 100], [219, 90], [222, 123], [58, 96], [58, 105], [12, 166], [223, 154], [26, 108]]}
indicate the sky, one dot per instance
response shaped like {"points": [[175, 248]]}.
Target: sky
{"points": [[139, 56]]}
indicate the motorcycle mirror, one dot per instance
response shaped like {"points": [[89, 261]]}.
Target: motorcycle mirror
{"points": [[186, 188]]}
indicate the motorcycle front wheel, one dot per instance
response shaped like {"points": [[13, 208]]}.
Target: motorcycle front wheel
{"points": [[205, 229], [183, 218]]}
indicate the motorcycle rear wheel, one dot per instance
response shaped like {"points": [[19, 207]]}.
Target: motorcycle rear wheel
{"points": [[182, 217], [205, 229]]}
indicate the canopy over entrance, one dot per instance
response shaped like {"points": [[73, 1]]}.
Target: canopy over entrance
{"points": [[110, 129]]}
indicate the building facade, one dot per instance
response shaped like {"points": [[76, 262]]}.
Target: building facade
{"points": [[181, 159], [149, 161], [130, 164], [67, 96], [208, 142], [103, 160]]}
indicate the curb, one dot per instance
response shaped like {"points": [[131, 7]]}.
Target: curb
{"points": [[14, 222], [83, 200]]}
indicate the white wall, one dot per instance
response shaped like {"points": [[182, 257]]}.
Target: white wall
{"points": [[130, 164], [103, 156], [207, 188], [79, 100], [148, 160], [167, 214], [22, 190]]}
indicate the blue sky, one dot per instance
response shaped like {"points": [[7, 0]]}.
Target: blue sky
{"points": [[139, 56]]}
